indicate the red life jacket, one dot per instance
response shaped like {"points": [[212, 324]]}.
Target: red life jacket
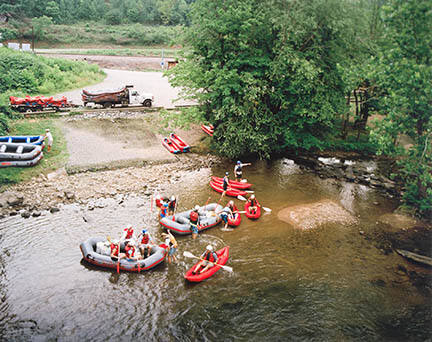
{"points": [[210, 256], [129, 233], [114, 249], [194, 216], [145, 239], [233, 208], [253, 203], [130, 251]]}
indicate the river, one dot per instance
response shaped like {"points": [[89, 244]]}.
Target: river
{"points": [[324, 284]]}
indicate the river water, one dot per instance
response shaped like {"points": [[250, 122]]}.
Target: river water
{"points": [[323, 284]]}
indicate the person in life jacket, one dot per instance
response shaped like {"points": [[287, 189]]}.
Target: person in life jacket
{"points": [[115, 248], [208, 259], [194, 221], [238, 170], [164, 208], [172, 205], [224, 215], [130, 252], [145, 243], [253, 204], [171, 242], [225, 184], [128, 233]]}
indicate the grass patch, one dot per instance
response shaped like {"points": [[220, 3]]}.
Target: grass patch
{"points": [[96, 33], [144, 52], [51, 161]]}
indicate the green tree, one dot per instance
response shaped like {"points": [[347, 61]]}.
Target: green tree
{"points": [[52, 10], [268, 74], [39, 26], [404, 72]]}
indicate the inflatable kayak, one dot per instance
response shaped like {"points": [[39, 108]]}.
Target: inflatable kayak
{"points": [[209, 129], [170, 146], [24, 139], [88, 250], [180, 223], [12, 151], [21, 163], [250, 215], [235, 221], [181, 144], [222, 254], [230, 192], [232, 183]]}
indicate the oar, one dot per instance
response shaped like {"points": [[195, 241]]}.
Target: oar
{"points": [[205, 205], [241, 198], [118, 257], [249, 191], [190, 255], [267, 209]]}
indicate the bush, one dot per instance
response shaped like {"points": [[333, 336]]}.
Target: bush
{"points": [[27, 74], [8, 33]]}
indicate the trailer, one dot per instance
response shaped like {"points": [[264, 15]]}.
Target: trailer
{"points": [[38, 103], [123, 96]]}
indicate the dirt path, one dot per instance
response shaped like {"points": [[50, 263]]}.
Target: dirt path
{"points": [[113, 139]]}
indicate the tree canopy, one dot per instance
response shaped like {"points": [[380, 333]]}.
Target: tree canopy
{"points": [[167, 12], [269, 74]]}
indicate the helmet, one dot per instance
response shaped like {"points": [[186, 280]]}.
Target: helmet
{"points": [[252, 197], [226, 173], [209, 248], [238, 162], [231, 202], [144, 231], [197, 207], [172, 198]]}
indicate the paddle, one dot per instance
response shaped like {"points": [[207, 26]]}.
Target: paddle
{"points": [[205, 205], [249, 191], [243, 181], [241, 198], [190, 255], [267, 209], [118, 257]]}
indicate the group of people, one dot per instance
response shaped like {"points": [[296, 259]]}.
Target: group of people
{"points": [[140, 247], [145, 243], [167, 206]]}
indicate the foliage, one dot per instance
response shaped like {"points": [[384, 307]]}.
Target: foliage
{"points": [[7, 33], [95, 34], [268, 73], [404, 71], [24, 73], [39, 26], [171, 12]]}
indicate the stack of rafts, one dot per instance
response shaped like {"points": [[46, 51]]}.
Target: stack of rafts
{"points": [[209, 129], [175, 144], [21, 150], [38, 103]]}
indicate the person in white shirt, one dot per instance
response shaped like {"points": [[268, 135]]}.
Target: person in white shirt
{"points": [[49, 139]]}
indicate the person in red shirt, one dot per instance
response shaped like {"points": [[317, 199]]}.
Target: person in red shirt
{"points": [[115, 250], [128, 233], [145, 243], [130, 252]]}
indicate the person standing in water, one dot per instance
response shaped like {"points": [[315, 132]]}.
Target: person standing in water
{"points": [[238, 170]]}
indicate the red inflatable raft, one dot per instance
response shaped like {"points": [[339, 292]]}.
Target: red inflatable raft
{"points": [[209, 129], [251, 215], [181, 144], [230, 192], [235, 221], [170, 146], [232, 183], [222, 254]]}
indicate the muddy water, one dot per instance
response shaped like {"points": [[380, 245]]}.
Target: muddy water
{"points": [[328, 283]]}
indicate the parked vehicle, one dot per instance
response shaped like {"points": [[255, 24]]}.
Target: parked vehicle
{"points": [[124, 96], [38, 103]]}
